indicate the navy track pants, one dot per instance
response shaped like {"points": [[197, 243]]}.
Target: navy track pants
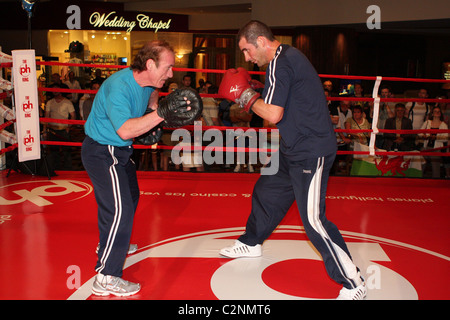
{"points": [[305, 182], [113, 176]]}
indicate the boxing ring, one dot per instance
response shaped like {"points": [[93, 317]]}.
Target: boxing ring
{"points": [[395, 228]]}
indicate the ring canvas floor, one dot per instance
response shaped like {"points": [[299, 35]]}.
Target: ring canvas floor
{"points": [[396, 230]]}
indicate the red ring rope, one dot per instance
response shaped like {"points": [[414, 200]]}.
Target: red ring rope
{"points": [[429, 152], [46, 63], [223, 128], [6, 124], [219, 96]]}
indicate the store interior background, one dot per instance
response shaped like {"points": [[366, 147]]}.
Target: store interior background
{"points": [[117, 47], [112, 47]]}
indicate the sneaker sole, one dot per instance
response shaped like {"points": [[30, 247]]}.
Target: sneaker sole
{"points": [[117, 294]]}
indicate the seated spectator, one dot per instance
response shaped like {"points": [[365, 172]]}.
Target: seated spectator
{"points": [[344, 113], [386, 111], [201, 84], [166, 153], [240, 118], [98, 77], [56, 83], [60, 108], [73, 84], [357, 122], [224, 112], [386, 108], [433, 140], [343, 142], [445, 108], [333, 109], [358, 93], [191, 158], [186, 83], [418, 111], [328, 85], [86, 104], [210, 111], [396, 141]]}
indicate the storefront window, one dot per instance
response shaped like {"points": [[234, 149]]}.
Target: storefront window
{"points": [[99, 47]]}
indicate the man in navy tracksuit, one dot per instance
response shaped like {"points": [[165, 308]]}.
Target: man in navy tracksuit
{"points": [[293, 99], [118, 115]]}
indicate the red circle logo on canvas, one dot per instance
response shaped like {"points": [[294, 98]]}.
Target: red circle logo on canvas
{"points": [[290, 268], [41, 193]]}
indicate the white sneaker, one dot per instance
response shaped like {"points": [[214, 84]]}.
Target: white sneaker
{"points": [[132, 248], [240, 250], [106, 285], [237, 168], [359, 293]]}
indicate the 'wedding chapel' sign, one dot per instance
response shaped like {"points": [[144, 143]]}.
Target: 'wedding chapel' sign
{"points": [[81, 18]]}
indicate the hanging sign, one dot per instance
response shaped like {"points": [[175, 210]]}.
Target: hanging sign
{"points": [[87, 18], [143, 21], [27, 105]]}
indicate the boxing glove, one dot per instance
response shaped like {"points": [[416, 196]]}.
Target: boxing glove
{"points": [[176, 111], [236, 86], [153, 135]]}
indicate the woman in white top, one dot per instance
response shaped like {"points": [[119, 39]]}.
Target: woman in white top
{"points": [[433, 140]]}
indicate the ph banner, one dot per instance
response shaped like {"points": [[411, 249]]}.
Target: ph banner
{"points": [[27, 105]]}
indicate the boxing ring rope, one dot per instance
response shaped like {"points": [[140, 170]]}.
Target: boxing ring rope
{"points": [[373, 132], [428, 152]]}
